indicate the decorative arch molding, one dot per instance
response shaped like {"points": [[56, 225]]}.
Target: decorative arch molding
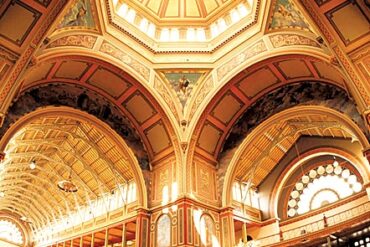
{"points": [[265, 81], [300, 94], [114, 84], [231, 159], [76, 97], [80, 115], [130, 89], [356, 164], [241, 65]]}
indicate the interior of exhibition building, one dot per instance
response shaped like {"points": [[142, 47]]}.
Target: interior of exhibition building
{"points": [[163, 123]]}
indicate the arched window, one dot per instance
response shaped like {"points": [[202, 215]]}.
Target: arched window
{"points": [[10, 231], [321, 186], [164, 231], [207, 231]]}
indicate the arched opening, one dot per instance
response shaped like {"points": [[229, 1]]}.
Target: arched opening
{"points": [[253, 171], [64, 168]]}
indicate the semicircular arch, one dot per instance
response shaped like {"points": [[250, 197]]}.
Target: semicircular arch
{"points": [[330, 121]]}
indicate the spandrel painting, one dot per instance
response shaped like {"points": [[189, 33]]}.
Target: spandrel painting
{"points": [[286, 15], [164, 231], [183, 84], [79, 15]]}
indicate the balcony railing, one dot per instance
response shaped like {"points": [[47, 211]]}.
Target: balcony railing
{"points": [[301, 231]]}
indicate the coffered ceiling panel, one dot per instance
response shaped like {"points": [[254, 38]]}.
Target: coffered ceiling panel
{"points": [[226, 109], [252, 84], [38, 73], [327, 71], [349, 21], [71, 69], [209, 137], [292, 69], [158, 137], [14, 28], [139, 107], [110, 82]]}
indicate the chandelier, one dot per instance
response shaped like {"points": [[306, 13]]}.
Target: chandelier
{"points": [[67, 185]]}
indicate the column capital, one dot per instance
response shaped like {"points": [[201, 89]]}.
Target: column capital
{"points": [[226, 210]]}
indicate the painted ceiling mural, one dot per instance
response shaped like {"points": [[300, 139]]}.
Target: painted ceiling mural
{"points": [[286, 15], [79, 15], [183, 83]]}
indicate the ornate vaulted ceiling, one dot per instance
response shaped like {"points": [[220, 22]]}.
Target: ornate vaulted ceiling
{"points": [[178, 78], [61, 148]]}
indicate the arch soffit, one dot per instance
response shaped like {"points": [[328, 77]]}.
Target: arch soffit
{"points": [[283, 116], [358, 163], [240, 92], [85, 117], [127, 94], [244, 59]]}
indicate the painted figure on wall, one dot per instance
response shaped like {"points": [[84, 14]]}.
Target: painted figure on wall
{"points": [[207, 231], [183, 84], [163, 231], [286, 15], [79, 15]]}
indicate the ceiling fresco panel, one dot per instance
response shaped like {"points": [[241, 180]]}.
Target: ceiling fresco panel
{"points": [[285, 15], [183, 82], [79, 15]]}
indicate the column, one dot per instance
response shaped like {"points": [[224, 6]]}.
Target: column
{"points": [[123, 235], [142, 228], [92, 239], [244, 233], [227, 228], [367, 185], [106, 239]]}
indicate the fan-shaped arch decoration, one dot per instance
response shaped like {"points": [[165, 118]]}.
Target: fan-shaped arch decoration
{"points": [[321, 186], [11, 232]]}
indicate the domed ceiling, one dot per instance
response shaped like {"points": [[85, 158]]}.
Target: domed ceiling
{"points": [[182, 10]]}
